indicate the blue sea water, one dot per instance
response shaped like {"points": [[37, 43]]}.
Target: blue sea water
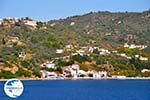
{"points": [[83, 90]]}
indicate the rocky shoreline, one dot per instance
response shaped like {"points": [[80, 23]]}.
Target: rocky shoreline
{"points": [[81, 78]]}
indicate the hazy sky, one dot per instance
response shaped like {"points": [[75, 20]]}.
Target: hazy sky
{"points": [[54, 9]]}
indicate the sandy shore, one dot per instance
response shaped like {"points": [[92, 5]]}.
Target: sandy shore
{"points": [[81, 78]]}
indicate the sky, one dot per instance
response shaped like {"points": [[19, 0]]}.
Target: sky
{"points": [[44, 10]]}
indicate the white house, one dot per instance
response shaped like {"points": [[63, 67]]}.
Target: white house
{"points": [[143, 58], [81, 52], [53, 24], [43, 73], [129, 57], [103, 73], [59, 51], [137, 56], [73, 54], [82, 72], [104, 51], [46, 74], [72, 23], [97, 75], [115, 51], [22, 55], [12, 39], [108, 34], [52, 75], [133, 46], [74, 69], [123, 55], [1, 21], [91, 49], [31, 23], [126, 45], [69, 46], [119, 22], [96, 48], [145, 70], [50, 65]]}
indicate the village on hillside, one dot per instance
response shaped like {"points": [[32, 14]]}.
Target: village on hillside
{"points": [[70, 60]]}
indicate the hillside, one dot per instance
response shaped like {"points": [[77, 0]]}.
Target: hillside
{"points": [[25, 44], [113, 27]]}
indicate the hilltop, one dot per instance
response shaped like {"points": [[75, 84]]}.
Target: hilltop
{"points": [[117, 43]]}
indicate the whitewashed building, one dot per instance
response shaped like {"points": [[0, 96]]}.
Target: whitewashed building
{"points": [[30, 23], [143, 58], [59, 51], [145, 70]]}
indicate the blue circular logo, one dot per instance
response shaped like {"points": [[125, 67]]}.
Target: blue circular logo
{"points": [[13, 88]]}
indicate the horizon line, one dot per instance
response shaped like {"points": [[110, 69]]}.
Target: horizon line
{"points": [[65, 17]]}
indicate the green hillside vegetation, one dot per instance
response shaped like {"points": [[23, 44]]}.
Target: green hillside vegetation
{"points": [[101, 29]]}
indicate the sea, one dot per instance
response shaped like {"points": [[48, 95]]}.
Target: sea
{"points": [[82, 90]]}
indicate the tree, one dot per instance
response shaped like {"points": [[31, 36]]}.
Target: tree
{"points": [[23, 73], [36, 72], [80, 58], [7, 75]]}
